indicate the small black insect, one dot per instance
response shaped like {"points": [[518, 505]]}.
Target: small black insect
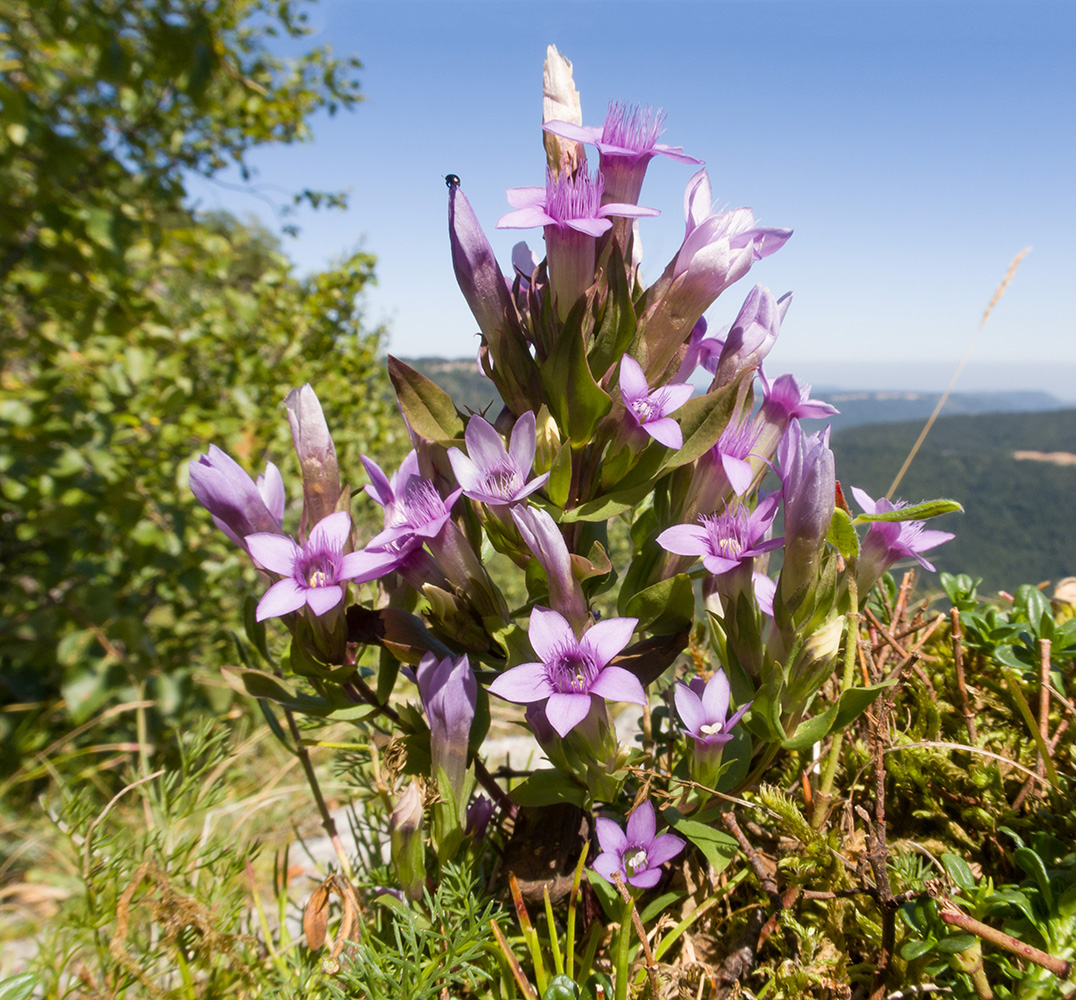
{"points": [[452, 180]]}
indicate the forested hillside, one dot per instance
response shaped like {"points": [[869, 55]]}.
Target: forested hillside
{"points": [[1018, 520]]}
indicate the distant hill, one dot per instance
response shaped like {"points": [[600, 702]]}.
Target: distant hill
{"points": [[1015, 474]]}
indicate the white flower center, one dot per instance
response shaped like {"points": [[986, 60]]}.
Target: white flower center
{"points": [[635, 860]]}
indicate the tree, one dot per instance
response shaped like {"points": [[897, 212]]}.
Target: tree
{"points": [[135, 333]]}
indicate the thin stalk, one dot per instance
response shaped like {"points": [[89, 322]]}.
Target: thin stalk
{"points": [[851, 643], [327, 821], [554, 943], [569, 943], [623, 950]]}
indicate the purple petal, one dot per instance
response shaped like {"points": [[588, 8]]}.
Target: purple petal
{"points": [[566, 711], [277, 553], [632, 380], [378, 489], [739, 473], [331, 532], [484, 444], [577, 133], [364, 565], [642, 825], [664, 848], [618, 684], [689, 708], [522, 684], [645, 880], [465, 471], [611, 837], [765, 589], [737, 715], [281, 598], [324, 599], [628, 211], [719, 564], [929, 538], [608, 637], [525, 218], [715, 699], [549, 631], [685, 540], [665, 431], [676, 394], [589, 227], [525, 197], [523, 443], [607, 865], [271, 487], [863, 499]]}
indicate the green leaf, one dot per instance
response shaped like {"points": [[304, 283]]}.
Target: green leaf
{"points": [[559, 484], [958, 870], [718, 848], [912, 950], [561, 988], [428, 408], [913, 512], [842, 535], [955, 942], [576, 401], [616, 316], [547, 787], [703, 418], [666, 607], [849, 707], [1027, 859], [18, 987], [259, 684]]}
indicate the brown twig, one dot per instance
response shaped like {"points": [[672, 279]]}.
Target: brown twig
{"points": [[640, 931], [766, 880], [953, 915]]}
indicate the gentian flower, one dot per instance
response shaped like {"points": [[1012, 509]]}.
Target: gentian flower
{"points": [[637, 854], [889, 541], [571, 670], [751, 335], [651, 409], [807, 473], [492, 474], [317, 455], [705, 713], [571, 211], [239, 507], [313, 573], [627, 142], [449, 692], [728, 539], [543, 538], [783, 401], [733, 449]]}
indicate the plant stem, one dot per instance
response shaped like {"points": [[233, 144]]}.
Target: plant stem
{"points": [[327, 821], [623, 950], [851, 642]]}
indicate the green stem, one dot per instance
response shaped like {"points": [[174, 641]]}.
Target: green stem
{"points": [[851, 642], [623, 950]]}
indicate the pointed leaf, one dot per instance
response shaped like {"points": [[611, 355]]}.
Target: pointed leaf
{"points": [[914, 512], [427, 407]]}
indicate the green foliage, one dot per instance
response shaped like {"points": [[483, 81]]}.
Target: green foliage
{"points": [[137, 333]]}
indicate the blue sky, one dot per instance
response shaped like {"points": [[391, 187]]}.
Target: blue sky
{"points": [[914, 148]]}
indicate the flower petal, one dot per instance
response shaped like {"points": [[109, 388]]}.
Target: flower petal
{"points": [[522, 684], [645, 880], [689, 708], [277, 553], [323, 599], [608, 637], [715, 699], [484, 444], [642, 825], [607, 865], [685, 540], [665, 431], [632, 379], [465, 471], [566, 711], [523, 443], [739, 473], [281, 598], [548, 630], [664, 848], [618, 684], [365, 565], [331, 532], [611, 837]]}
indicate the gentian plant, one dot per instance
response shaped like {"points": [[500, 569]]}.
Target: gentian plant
{"points": [[635, 520]]}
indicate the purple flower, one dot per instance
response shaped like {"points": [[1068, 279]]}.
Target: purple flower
{"points": [[313, 573], [728, 539], [889, 541], [479, 813], [752, 334], [571, 211], [785, 399], [627, 142], [317, 455], [651, 409], [706, 717], [733, 449], [543, 538], [492, 474], [571, 670], [239, 507], [637, 854], [809, 489], [449, 693]]}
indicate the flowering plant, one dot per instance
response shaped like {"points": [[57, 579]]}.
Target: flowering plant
{"points": [[597, 454]]}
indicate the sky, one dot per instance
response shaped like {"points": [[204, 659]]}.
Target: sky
{"points": [[913, 147]]}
